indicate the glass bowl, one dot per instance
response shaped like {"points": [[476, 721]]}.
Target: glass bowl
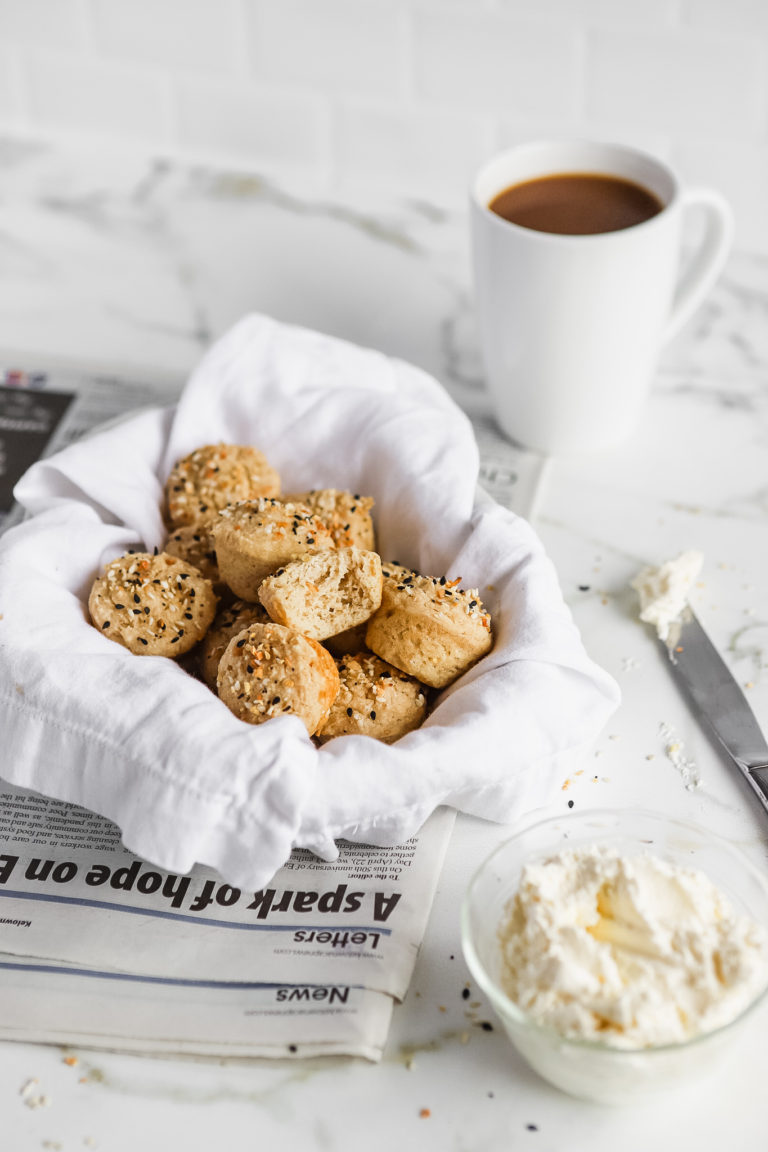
{"points": [[591, 1069]]}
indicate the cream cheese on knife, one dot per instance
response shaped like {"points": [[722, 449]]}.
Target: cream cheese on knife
{"points": [[664, 590]]}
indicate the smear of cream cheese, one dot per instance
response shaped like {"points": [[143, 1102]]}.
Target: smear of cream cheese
{"points": [[632, 951], [664, 590]]}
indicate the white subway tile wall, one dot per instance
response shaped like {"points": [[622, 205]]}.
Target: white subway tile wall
{"points": [[338, 47], [250, 127], [175, 35], [44, 23], [410, 93], [95, 96]]}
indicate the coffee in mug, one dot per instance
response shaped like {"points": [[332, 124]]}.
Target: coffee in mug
{"points": [[578, 283], [576, 203]]}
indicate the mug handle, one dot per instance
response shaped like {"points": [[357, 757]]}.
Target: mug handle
{"points": [[706, 264]]}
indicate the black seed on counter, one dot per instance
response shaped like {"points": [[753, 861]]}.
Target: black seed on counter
{"points": [[486, 1026], [583, 587], [532, 1127], [570, 803], [465, 993]]}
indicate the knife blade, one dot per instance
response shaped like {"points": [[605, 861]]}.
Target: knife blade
{"points": [[718, 700]]}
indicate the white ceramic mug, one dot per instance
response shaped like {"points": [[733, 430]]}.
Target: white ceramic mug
{"points": [[571, 326]]}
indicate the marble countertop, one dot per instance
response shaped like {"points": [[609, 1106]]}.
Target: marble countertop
{"points": [[122, 263]]}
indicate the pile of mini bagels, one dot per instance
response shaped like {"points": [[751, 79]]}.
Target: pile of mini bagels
{"points": [[281, 604]]}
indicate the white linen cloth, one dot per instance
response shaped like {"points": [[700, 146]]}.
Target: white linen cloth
{"points": [[141, 742]]}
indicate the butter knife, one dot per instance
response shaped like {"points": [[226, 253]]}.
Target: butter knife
{"points": [[717, 699]]}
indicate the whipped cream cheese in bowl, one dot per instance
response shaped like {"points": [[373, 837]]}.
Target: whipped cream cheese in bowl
{"points": [[622, 951]]}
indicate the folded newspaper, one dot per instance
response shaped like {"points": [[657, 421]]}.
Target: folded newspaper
{"points": [[99, 948]]}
